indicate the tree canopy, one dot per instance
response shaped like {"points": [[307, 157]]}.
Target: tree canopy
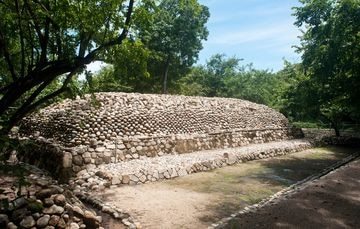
{"points": [[152, 45], [330, 48], [44, 41]]}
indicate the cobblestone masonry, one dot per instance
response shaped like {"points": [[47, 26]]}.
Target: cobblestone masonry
{"points": [[117, 127], [171, 166]]}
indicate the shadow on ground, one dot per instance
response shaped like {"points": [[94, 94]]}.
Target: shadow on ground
{"points": [[203, 198], [331, 202], [260, 179]]}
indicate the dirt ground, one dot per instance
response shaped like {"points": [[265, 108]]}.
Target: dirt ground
{"points": [[198, 200], [330, 202]]}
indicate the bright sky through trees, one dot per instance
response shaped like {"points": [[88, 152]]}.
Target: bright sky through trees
{"points": [[259, 31]]}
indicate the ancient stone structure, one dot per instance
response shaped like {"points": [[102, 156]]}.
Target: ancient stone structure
{"points": [[146, 170], [113, 127], [42, 203]]}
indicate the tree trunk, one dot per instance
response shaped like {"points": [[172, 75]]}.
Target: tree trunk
{"points": [[337, 131], [165, 76], [335, 125]]}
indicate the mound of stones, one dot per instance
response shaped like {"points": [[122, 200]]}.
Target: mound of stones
{"points": [[109, 128], [107, 116], [41, 203]]}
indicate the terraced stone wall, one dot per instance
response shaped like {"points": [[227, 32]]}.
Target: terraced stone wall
{"points": [[116, 127]]}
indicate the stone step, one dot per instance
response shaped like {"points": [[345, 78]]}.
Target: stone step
{"points": [[171, 166]]}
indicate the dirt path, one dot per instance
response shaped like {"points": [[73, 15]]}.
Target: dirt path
{"points": [[198, 200], [331, 202], [156, 206]]}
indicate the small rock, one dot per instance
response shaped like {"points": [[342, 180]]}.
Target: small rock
{"points": [[43, 221], [66, 217], [90, 220], [27, 222], [45, 193], [19, 214], [76, 219], [77, 211], [48, 202], [60, 200], [54, 219], [142, 178], [134, 178], [106, 209], [20, 202], [11, 225], [125, 179], [54, 209], [49, 227], [103, 175], [93, 143], [36, 215], [61, 223], [116, 180], [74, 226], [182, 172], [78, 160]]}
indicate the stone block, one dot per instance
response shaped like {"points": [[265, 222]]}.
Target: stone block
{"points": [[67, 160], [78, 160]]}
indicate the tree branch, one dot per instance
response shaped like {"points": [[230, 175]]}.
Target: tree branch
{"points": [[7, 56], [22, 45], [46, 71], [28, 106], [120, 38], [36, 23]]}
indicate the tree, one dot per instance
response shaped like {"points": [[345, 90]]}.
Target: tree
{"points": [[175, 37], [210, 78], [294, 95], [104, 81], [129, 68], [253, 85], [46, 40], [330, 49], [225, 77]]}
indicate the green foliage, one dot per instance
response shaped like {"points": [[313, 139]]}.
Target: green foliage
{"points": [[174, 38], [251, 84], [35, 206], [105, 81], [224, 77], [330, 49], [294, 94], [130, 70], [164, 43], [309, 125], [44, 44]]}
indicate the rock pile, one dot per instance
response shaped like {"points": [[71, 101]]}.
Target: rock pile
{"points": [[120, 115], [118, 127], [42, 204]]}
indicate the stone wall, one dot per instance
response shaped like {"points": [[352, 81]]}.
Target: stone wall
{"points": [[54, 158], [135, 148], [115, 127]]}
